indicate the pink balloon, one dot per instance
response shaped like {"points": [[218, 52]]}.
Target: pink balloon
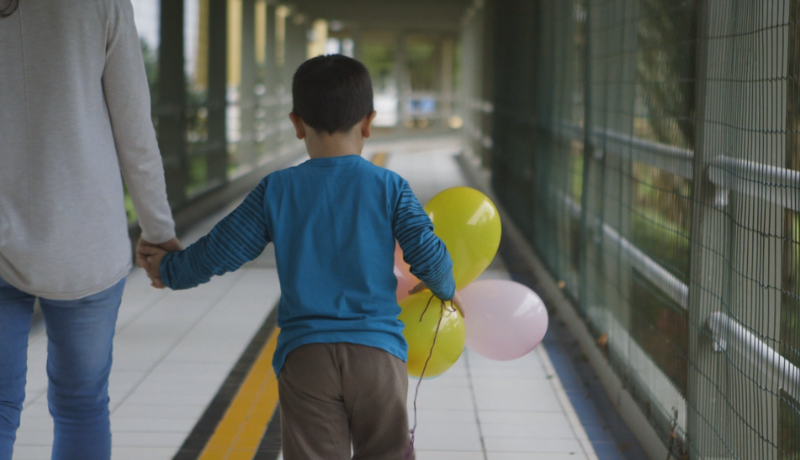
{"points": [[504, 320], [405, 280]]}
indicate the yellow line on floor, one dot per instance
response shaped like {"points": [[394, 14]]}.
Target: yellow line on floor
{"points": [[240, 431], [379, 159]]}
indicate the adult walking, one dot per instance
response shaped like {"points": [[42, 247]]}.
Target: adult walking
{"points": [[74, 114]]}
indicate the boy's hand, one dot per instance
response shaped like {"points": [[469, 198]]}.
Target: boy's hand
{"points": [[456, 300], [458, 304], [150, 259]]}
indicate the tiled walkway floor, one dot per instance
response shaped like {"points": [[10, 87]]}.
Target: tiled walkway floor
{"points": [[174, 349]]}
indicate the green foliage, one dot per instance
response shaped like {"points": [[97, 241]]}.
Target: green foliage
{"points": [[659, 238], [576, 173], [198, 175], [151, 68], [788, 428], [130, 211], [660, 327], [457, 58], [378, 56], [790, 313], [666, 68], [661, 217], [421, 60]]}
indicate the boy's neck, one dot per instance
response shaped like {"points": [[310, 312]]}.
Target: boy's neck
{"points": [[334, 145], [326, 145]]}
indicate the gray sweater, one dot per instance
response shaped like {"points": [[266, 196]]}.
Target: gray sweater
{"points": [[74, 114]]}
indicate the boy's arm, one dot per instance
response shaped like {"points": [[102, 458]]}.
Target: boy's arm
{"points": [[422, 249], [238, 238]]}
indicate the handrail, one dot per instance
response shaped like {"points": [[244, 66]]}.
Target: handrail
{"points": [[725, 330], [729, 332], [665, 157], [773, 184], [770, 183], [662, 156], [479, 105], [674, 288]]}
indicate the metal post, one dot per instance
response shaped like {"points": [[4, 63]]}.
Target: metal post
{"points": [[486, 15], [403, 83], [217, 102], [247, 95], [295, 55], [356, 37], [172, 102], [271, 83], [447, 80]]}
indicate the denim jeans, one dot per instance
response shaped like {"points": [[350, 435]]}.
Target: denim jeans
{"points": [[80, 334]]}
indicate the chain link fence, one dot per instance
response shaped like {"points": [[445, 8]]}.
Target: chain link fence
{"points": [[650, 151]]}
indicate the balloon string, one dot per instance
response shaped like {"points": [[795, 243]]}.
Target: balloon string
{"points": [[410, 452]]}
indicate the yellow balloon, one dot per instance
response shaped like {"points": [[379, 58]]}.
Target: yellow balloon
{"points": [[469, 224], [419, 334]]}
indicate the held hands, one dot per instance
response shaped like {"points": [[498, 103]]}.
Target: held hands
{"points": [[151, 261], [456, 300], [149, 255]]}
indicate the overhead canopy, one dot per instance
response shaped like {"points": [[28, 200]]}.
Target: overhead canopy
{"points": [[406, 14]]}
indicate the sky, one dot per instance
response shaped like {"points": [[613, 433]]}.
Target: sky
{"points": [[146, 15]]}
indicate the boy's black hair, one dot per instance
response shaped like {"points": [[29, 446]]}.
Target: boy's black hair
{"points": [[332, 93]]}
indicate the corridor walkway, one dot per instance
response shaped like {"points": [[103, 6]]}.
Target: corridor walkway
{"points": [[173, 351]]}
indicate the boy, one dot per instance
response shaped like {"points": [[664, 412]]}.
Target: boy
{"points": [[334, 220]]}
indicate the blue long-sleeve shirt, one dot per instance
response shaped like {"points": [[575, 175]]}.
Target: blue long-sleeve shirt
{"points": [[334, 222]]}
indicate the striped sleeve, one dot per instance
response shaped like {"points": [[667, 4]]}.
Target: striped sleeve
{"points": [[238, 238], [422, 249]]}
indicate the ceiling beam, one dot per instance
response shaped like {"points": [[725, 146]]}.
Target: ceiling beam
{"points": [[413, 14]]}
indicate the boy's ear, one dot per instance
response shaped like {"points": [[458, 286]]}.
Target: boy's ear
{"points": [[366, 125], [299, 126]]}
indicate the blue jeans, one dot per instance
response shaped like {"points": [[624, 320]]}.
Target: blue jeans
{"points": [[80, 334]]}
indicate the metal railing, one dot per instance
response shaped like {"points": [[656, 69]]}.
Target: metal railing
{"points": [[776, 185], [728, 332], [769, 183], [677, 290]]}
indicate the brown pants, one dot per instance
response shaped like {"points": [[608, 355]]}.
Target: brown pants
{"points": [[335, 393]]}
